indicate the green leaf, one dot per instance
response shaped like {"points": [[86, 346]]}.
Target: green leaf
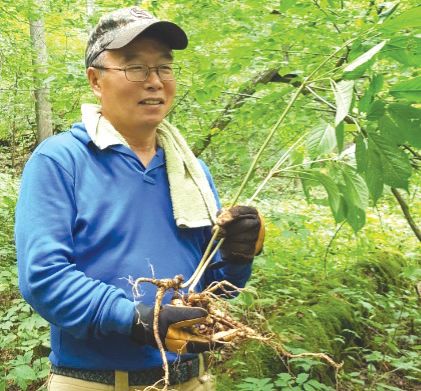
{"points": [[408, 121], [376, 110], [360, 71], [408, 89], [296, 157], [25, 372], [317, 386], [407, 19], [309, 387], [329, 185], [355, 217], [361, 155], [405, 49], [321, 140], [368, 55], [396, 167], [340, 136], [390, 130], [302, 378], [374, 174], [307, 184], [283, 380], [374, 88], [343, 92], [389, 9], [376, 83], [341, 214], [356, 188], [254, 384]]}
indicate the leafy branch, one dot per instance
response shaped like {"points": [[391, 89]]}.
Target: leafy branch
{"points": [[209, 253]]}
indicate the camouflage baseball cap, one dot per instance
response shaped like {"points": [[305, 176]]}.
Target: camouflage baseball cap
{"points": [[120, 27]]}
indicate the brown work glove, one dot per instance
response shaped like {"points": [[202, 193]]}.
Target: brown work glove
{"points": [[243, 229], [173, 324]]}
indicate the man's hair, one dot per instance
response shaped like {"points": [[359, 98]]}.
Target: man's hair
{"points": [[99, 61]]}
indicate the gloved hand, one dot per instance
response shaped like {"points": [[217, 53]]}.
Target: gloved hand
{"points": [[173, 321], [244, 232]]}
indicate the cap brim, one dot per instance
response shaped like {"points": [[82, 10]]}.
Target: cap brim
{"points": [[171, 34]]}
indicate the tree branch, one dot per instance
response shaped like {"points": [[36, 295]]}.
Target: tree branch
{"points": [[415, 154], [316, 3], [407, 214], [247, 90]]}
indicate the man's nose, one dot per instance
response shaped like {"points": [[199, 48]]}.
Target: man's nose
{"points": [[153, 78]]}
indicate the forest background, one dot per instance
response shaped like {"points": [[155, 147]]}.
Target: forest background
{"points": [[324, 98]]}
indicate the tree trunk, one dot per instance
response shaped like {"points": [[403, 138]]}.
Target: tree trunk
{"points": [[40, 68], [90, 8], [13, 127]]}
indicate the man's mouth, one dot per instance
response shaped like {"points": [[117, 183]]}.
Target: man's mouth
{"points": [[151, 102]]}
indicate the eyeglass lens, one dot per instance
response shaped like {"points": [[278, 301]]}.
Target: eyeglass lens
{"points": [[141, 72]]}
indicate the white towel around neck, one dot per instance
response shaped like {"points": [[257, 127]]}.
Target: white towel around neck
{"points": [[192, 198]]}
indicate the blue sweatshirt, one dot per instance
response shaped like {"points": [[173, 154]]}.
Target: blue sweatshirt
{"points": [[88, 220]]}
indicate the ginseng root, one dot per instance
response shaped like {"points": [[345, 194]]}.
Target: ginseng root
{"points": [[220, 328]]}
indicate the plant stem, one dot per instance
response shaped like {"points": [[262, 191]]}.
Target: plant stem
{"points": [[282, 159], [205, 261], [276, 170], [332, 106], [199, 271], [303, 85], [302, 164], [330, 245]]}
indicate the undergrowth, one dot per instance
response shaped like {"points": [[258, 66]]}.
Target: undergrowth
{"points": [[354, 300], [23, 333]]}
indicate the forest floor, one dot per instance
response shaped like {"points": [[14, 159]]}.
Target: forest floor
{"points": [[315, 288]]}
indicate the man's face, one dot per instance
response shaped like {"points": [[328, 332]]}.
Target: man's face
{"points": [[135, 106]]}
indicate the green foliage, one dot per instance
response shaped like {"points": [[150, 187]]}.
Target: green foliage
{"points": [[407, 19], [409, 90], [357, 67], [360, 118], [24, 335], [362, 312], [373, 87], [250, 384], [285, 382]]}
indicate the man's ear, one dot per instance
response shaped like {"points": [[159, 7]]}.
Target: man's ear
{"points": [[94, 78]]}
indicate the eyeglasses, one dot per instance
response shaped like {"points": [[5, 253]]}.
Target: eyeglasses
{"points": [[140, 72]]}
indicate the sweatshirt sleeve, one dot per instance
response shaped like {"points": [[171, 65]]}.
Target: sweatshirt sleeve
{"points": [[48, 278], [235, 273]]}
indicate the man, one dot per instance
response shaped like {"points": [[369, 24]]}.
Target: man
{"points": [[117, 197]]}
